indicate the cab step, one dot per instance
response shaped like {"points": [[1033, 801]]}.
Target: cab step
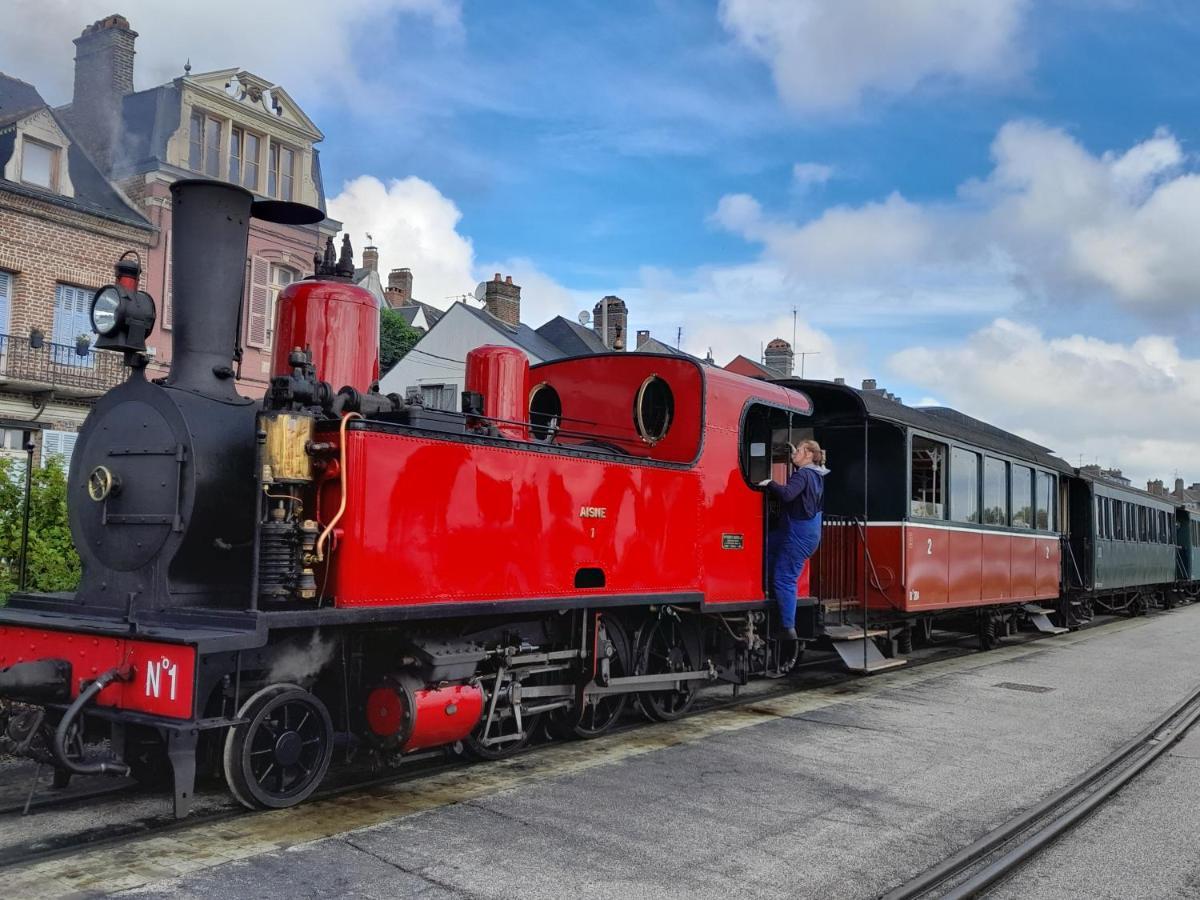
{"points": [[1041, 619]]}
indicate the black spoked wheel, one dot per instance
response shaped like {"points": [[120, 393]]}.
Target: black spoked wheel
{"points": [[279, 757], [596, 715], [667, 644], [502, 734]]}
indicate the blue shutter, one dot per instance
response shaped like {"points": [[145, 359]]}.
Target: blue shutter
{"points": [[60, 444], [5, 302], [72, 317]]}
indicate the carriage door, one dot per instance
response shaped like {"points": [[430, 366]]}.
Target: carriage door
{"points": [[766, 433]]}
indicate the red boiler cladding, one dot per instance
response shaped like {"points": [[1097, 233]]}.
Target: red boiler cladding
{"points": [[338, 322]]}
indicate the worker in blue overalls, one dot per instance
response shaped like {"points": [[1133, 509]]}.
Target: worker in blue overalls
{"points": [[796, 537]]}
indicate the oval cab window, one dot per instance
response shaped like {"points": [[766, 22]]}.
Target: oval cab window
{"points": [[653, 409], [545, 412]]}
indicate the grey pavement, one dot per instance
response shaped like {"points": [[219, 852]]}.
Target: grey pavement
{"points": [[844, 800]]}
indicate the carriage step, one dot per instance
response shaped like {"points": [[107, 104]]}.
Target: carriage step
{"points": [[863, 656], [1041, 621], [852, 632]]}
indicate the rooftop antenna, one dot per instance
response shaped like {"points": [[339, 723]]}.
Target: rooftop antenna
{"points": [[794, 333], [480, 291], [806, 353], [187, 66], [370, 240], [678, 336]]}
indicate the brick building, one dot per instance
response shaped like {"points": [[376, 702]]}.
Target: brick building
{"points": [[95, 181], [62, 226]]}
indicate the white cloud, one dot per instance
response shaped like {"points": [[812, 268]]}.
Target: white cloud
{"points": [[413, 225], [806, 174], [827, 55], [1116, 403], [1051, 220], [311, 48]]}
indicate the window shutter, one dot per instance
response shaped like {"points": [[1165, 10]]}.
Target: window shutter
{"points": [[168, 305], [256, 319], [60, 444], [5, 293]]}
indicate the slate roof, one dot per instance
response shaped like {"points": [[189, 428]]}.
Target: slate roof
{"points": [[653, 345], [94, 194], [17, 98], [572, 338], [523, 336]]}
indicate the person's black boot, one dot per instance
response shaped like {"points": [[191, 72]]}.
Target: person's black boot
{"points": [[789, 634]]}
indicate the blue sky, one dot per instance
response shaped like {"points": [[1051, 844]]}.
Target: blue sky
{"points": [[987, 203]]}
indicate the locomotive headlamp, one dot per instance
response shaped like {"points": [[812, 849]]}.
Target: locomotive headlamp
{"points": [[122, 315], [106, 309]]}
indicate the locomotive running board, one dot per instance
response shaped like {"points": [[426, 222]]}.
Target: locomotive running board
{"points": [[1041, 620], [858, 652]]}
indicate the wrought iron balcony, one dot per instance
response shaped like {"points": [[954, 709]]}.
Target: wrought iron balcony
{"points": [[61, 368]]}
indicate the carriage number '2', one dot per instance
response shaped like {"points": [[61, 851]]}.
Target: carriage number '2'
{"points": [[155, 670], [929, 546]]}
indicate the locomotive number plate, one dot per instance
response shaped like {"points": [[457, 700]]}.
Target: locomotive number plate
{"points": [[733, 541]]}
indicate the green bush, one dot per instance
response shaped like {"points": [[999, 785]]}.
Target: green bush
{"points": [[396, 337], [53, 562]]}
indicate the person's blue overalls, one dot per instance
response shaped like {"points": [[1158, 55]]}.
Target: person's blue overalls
{"points": [[798, 533]]}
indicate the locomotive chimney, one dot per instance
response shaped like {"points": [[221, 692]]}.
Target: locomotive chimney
{"points": [[211, 227]]}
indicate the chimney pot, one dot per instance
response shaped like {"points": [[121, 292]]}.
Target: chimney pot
{"points": [[497, 278], [868, 384], [508, 279]]}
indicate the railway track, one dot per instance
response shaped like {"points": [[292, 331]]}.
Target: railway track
{"points": [[975, 868], [813, 673]]}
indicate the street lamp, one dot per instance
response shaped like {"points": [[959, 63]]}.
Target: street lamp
{"points": [[24, 568]]}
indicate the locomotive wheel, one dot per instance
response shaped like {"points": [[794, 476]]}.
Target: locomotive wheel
{"points": [[278, 758], [667, 644], [595, 716], [501, 728]]}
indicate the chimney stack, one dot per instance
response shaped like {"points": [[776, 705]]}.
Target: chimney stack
{"points": [[839, 380], [779, 356], [399, 288], [618, 317], [103, 76], [211, 230], [869, 384], [642, 337], [370, 257], [502, 299], [1178, 492]]}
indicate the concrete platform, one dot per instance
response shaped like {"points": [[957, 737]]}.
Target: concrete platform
{"points": [[842, 791]]}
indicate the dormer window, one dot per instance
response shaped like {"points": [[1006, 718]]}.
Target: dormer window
{"points": [[39, 163], [281, 174], [204, 145]]}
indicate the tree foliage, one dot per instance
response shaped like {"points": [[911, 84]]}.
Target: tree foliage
{"points": [[53, 562], [396, 337]]}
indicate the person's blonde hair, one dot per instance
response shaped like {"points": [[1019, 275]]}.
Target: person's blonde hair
{"points": [[818, 454]]}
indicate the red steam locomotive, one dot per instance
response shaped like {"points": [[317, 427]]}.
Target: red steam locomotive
{"points": [[265, 579]]}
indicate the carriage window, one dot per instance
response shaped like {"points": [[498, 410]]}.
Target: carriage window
{"points": [[928, 478], [1108, 519], [653, 409], [1045, 500], [995, 491], [1130, 522], [1153, 523], [964, 485], [1143, 525], [766, 432], [1022, 497], [545, 412], [1118, 515], [1164, 528]]}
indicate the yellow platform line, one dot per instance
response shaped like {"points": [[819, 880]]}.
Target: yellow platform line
{"points": [[186, 851]]}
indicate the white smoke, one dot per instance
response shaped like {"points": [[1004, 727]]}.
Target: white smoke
{"points": [[299, 663]]}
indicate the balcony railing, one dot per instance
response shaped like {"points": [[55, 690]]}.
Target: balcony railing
{"points": [[57, 367]]}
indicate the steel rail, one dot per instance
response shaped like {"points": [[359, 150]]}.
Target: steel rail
{"points": [[960, 862]]}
